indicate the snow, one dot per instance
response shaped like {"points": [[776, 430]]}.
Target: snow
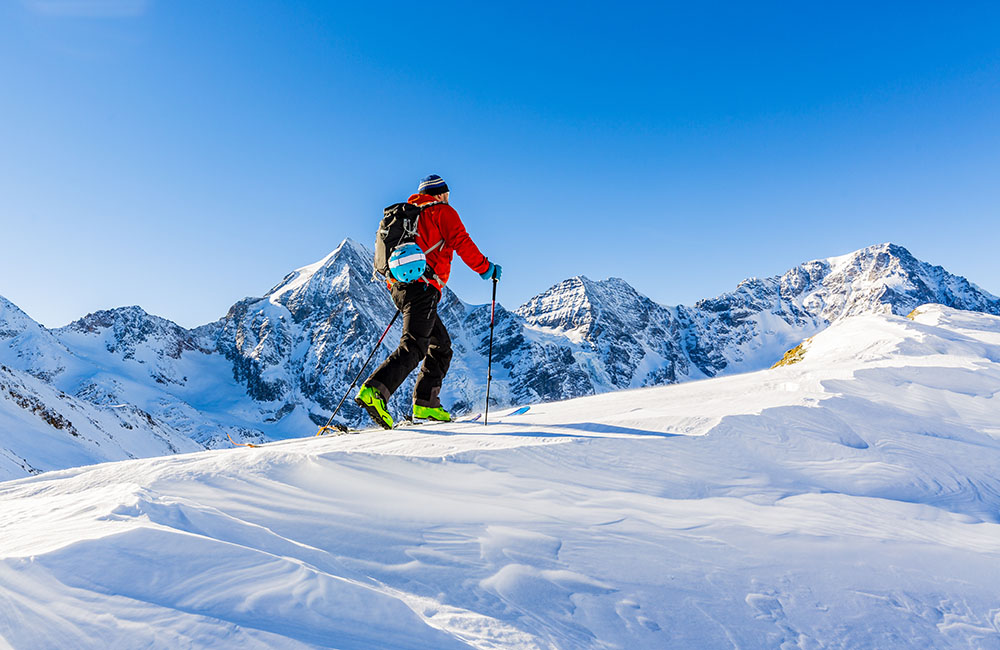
{"points": [[849, 500], [73, 431]]}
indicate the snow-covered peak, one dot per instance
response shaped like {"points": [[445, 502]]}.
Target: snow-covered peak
{"points": [[565, 306], [316, 286], [879, 266], [622, 337], [884, 278], [131, 317], [847, 259], [579, 303], [125, 330], [302, 334], [27, 346], [356, 248], [13, 321]]}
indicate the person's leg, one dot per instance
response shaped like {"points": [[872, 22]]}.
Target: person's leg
{"points": [[436, 363], [418, 303]]}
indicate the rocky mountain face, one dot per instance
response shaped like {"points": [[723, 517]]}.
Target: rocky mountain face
{"points": [[626, 338], [277, 366]]}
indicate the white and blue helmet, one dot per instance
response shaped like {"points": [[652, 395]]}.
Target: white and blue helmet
{"points": [[407, 262]]}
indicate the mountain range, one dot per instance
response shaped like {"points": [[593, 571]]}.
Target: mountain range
{"points": [[122, 383]]}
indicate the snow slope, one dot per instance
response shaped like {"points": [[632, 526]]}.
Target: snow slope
{"points": [[44, 429], [128, 356], [851, 499]]}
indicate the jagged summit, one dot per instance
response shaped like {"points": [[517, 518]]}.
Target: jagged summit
{"points": [[131, 316], [743, 328], [566, 306], [124, 330], [295, 345], [622, 335], [579, 302], [340, 275]]}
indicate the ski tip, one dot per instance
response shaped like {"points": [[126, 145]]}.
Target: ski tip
{"points": [[241, 444], [520, 411]]}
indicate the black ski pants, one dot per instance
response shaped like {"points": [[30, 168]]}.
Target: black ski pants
{"points": [[424, 339]]}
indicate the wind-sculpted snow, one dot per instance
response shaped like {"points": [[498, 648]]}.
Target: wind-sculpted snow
{"points": [[848, 500]]}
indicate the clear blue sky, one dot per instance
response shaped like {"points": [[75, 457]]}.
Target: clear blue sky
{"points": [[183, 154]]}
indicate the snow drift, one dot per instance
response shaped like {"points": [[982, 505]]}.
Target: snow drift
{"points": [[851, 499]]}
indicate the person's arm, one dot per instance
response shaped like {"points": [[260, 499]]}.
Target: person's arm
{"points": [[456, 237]]}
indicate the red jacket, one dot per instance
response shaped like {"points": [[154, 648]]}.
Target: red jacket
{"points": [[442, 223]]}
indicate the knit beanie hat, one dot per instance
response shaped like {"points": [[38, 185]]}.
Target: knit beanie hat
{"points": [[433, 185]]}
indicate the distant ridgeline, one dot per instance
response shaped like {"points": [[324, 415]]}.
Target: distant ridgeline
{"points": [[275, 366]]}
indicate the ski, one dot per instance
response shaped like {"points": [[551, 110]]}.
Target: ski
{"points": [[421, 423], [338, 429]]}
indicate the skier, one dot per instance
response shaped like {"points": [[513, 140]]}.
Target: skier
{"points": [[424, 335]]}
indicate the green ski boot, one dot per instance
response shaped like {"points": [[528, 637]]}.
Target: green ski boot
{"points": [[428, 413], [371, 401]]}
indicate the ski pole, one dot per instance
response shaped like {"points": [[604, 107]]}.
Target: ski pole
{"points": [[489, 365], [374, 350]]}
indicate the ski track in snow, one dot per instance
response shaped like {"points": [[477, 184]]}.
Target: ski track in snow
{"points": [[849, 501]]}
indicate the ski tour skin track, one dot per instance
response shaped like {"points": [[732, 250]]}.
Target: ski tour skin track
{"points": [[402, 424]]}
